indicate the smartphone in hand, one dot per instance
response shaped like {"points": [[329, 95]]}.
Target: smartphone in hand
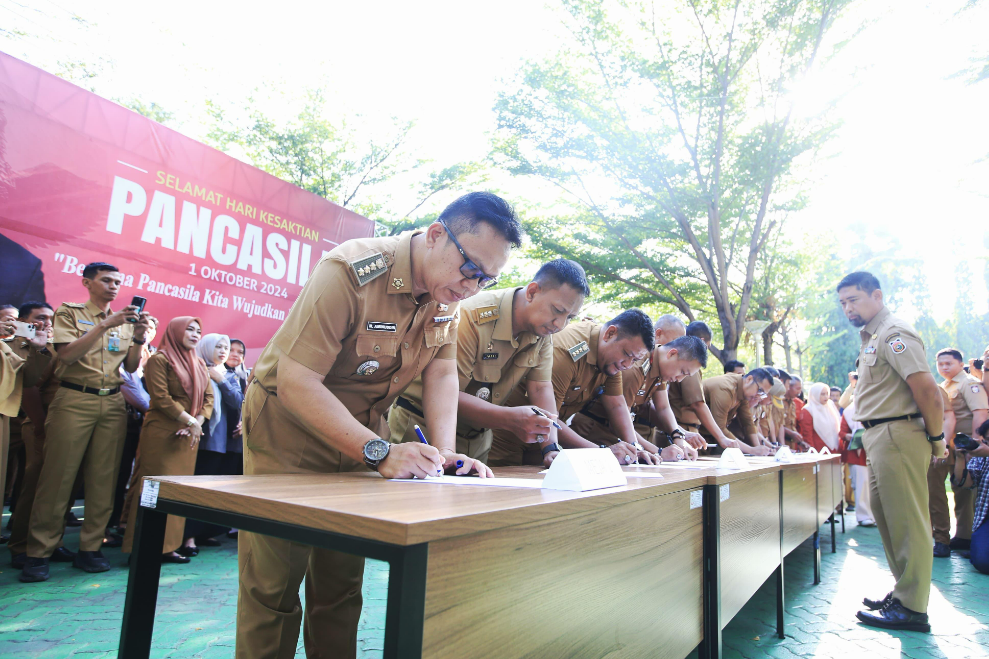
{"points": [[138, 302]]}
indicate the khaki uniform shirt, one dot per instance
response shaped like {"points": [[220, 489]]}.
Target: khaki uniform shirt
{"points": [[891, 351], [490, 360], [100, 367], [682, 394], [967, 395], [790, 412], [726, 397], [639, 383], [576, 376], [356, 324]]}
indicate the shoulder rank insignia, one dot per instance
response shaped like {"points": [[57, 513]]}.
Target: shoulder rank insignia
{"points": [[485, 314], [74, 305], [368, 268], [645, 365], [578, 350]]}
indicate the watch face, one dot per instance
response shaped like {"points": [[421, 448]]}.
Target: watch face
{"points": [[376, 450]]}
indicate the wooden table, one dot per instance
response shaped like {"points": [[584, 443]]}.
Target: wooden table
{"points": [[587, 574]]}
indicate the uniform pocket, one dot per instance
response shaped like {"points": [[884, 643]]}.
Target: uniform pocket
{"points": [[438, 336], [377, 346]]}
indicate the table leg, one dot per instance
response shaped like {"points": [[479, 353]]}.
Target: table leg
{"points": [[406, 603], [142, 585], [780, 599], [817, 557], [711, 646], [834, 546], [841, 507]]}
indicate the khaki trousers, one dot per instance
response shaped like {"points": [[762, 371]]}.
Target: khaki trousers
{"points": [[34, 452], [849, 490], [4, 447], [899, 455], [940, 512], [271, 570], [402, 422], [507, 450], [83, 431]]}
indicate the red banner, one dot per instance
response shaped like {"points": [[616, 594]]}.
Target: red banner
{"points": [[193, 230]]}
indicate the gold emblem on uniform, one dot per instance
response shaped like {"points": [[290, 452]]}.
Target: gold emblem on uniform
{"points": [[368, 367], [397, 282], [483, 393], [578, 350]]}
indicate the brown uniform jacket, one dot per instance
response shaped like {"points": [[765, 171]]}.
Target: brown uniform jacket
{"points": [[20, 366], [100, 367], [682, 394], [891, 351], [356, 323], [576, 376], [491, 362], [727, 400], [639, 383], [967, 395]]}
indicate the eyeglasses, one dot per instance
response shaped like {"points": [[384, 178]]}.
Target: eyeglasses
{"points": [[469, 269]]}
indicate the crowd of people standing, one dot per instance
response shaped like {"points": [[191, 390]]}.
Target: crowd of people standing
{"points": [[96, 407], [383, 335]]}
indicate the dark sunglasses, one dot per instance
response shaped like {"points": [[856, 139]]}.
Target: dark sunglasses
{"points": [[469, 269]]}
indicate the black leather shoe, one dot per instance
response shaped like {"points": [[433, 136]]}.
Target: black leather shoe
{"points": [[17, 560], [91, 561], [896, 616], [941, 550], [62, 555], [875, 605], [35, 569], [960, 543], [188, 551], [174, 558], [207, 542]]}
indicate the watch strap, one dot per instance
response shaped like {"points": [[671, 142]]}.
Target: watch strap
{"points": [[549, 449]]}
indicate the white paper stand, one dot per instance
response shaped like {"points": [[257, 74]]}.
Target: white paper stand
{"points": [[732, 458], [825, 451], [785, 455], [812, 451], [580, 470]]}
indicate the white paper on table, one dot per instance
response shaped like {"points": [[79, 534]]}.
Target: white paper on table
{"points": [[732, 458], [634, 472], [689, 465], [531, 483]]}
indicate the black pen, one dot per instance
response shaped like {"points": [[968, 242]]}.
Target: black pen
{"points": [[539, 412]]}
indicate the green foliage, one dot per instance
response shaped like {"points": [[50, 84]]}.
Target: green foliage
{"points": [[338, 162], [151, 110], [668, 129]]}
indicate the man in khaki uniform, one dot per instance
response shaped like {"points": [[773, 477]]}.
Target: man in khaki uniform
{"points": [[792, 406], [35, 402], [586, 357], [898, 402], [644, 389], [19, 367], [971, 408], [86, 421], [730, 397], [504, 338], [374, 315]]}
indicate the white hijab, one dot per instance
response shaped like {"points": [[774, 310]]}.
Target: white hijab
{"points": [[206, 349], [826, 418]]}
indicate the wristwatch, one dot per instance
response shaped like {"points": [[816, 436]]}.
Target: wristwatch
{"points": [[549, 449], [938, 438], [375, 451]]}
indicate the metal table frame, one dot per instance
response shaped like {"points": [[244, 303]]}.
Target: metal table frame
{"points": [[406, 573]]}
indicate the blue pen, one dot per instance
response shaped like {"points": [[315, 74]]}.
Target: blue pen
{"points": [[422, 438]]}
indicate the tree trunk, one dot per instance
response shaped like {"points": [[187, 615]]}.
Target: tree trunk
{"points": [[786, 351]]}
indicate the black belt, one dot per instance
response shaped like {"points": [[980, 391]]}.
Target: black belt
{"points": [[405, 404], [876, 422], [89, 390], [595, 417]]}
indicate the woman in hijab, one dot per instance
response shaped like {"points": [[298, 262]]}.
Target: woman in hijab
{"points": [[181, 401], [819, 421], [211, 461]]}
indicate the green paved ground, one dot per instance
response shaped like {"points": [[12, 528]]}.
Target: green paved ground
{"points": [[76, 614]]}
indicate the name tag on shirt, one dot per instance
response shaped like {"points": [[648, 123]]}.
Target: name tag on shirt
{"points": [[375, 326], [85, 322], [490, 355]]}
